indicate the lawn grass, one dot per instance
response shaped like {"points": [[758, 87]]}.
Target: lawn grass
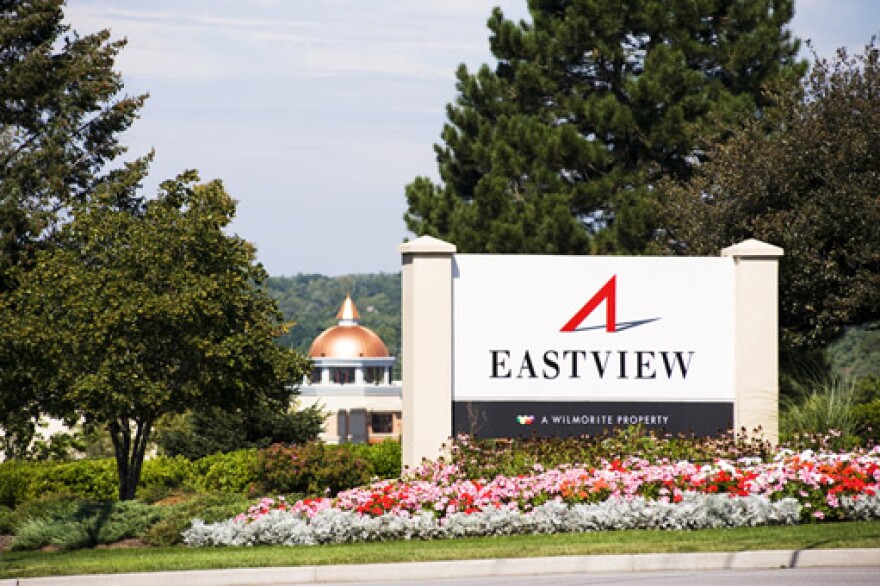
{"points": [[148, 559]]}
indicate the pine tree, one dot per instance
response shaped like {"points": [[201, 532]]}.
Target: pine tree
{"points": [[556, 150]]}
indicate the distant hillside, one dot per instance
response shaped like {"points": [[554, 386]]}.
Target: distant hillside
{"points": [[311, 301]]}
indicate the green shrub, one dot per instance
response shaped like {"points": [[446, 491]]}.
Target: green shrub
{"points": [[338, 468], [311, 469], [235, 472], [165, 472], [5, 520], [55, 505], [15, 478], [96, 479], [70, 523], [384, 458], [867, 389], [182, 509], [88, 479], [867, 417]]}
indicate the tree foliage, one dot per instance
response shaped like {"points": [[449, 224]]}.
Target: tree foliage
{"points": [[805, 177], [61, 111], [856, 353], [133, 315], [589, 104], [259, 424], [60, 116]]}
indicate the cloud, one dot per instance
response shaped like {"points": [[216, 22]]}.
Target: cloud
{"points": [[242, 41]]}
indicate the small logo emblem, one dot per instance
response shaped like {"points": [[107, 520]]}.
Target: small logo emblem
{"points": [[525, 419]]}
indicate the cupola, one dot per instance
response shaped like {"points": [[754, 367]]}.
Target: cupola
{"points": [[348, 339]]}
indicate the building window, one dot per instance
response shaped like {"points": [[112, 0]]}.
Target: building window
{"points": [[374, 375], [315, 376], [342, 376], [382, 422]]}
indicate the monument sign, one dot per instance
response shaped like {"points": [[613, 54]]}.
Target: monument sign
{"points": [[523, 345]]}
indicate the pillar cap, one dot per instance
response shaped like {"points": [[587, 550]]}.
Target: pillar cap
{"points": [[753, 248], [426, 245]]}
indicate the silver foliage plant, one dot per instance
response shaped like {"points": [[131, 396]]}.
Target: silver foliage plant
{"points": [[863, 508], [695, 511]]}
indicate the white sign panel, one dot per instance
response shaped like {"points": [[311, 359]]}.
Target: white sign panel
{"points": [[576, 328]]}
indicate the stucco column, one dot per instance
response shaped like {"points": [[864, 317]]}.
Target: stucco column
{"points": [[756, 329], [427, 347]]}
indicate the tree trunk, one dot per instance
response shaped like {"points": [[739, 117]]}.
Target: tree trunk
{"points": [[129, 455]]}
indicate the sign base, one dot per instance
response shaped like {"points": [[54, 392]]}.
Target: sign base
{"points": [[523, 419]]}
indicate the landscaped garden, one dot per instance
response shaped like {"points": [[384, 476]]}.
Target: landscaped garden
{"points": [[317, 494], [442, 500]]}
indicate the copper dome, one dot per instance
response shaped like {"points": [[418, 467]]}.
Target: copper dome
{"points": [[348, 339], [348, 342]]}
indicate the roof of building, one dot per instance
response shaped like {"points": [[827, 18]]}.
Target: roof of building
{"points": [[348, 339]]}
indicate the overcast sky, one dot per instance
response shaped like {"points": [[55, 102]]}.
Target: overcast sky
{"points": [[317, 113]]}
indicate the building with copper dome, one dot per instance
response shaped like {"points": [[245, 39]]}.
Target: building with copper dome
{"points": [[352, 381]]}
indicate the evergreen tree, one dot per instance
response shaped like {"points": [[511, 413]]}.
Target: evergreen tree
{"points": [[589, 104], [259, 424]]}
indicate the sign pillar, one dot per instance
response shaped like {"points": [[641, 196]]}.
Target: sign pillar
{"points": [[756, 345], [427, 347]]}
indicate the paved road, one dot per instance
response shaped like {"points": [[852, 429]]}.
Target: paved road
{"points": [[777, 577]]}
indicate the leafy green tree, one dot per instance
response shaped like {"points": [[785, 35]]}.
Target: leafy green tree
{"points": [[61, 111], [136, 315], [589, 104], [805, 177]]}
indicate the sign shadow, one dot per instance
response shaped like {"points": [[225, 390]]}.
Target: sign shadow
{"points": [[621, 326]]}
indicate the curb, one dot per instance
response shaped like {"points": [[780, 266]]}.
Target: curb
{"points": [[764, 559]]}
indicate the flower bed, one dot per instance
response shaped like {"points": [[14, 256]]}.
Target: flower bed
{"points": [[436, 501]]}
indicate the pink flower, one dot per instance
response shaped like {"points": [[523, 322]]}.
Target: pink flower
{"points": [[441, 489]]}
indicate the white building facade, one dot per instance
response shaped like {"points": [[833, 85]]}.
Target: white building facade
{"points": [[352, 380]]}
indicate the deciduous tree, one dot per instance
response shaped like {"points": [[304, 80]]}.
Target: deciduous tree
{"points": [[61, 111], [135, 314], [805, 177]]}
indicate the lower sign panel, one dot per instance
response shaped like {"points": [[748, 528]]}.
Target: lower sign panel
{"points": [[496, 419]]}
